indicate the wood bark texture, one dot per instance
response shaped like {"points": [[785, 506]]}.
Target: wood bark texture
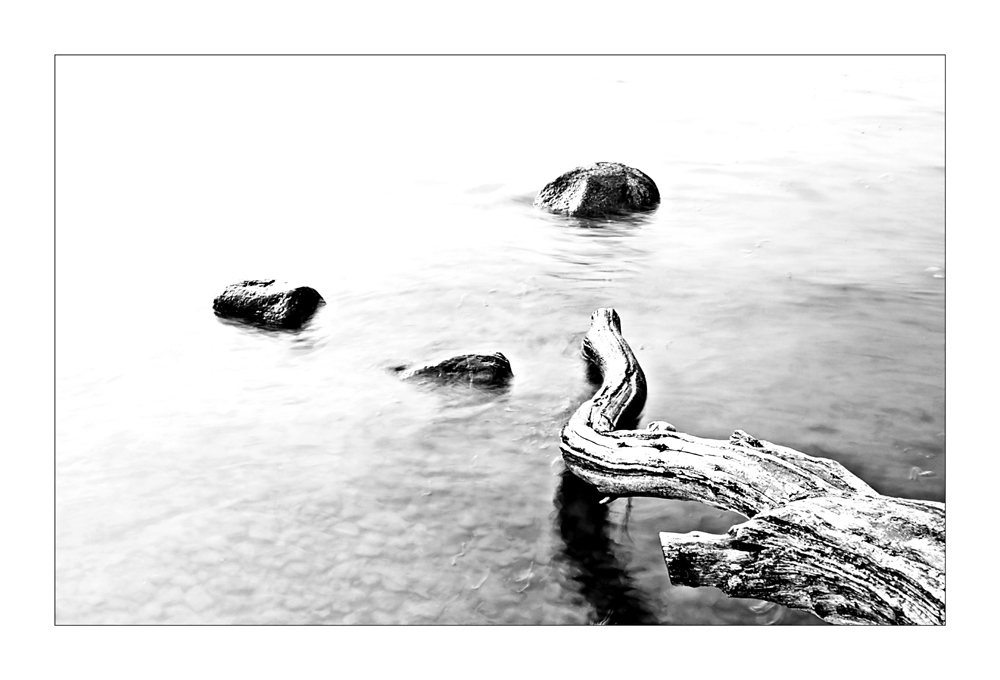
{"points": [[820, 538]]}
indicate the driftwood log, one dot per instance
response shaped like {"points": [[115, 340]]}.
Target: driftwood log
{"points": [[819, 538]]}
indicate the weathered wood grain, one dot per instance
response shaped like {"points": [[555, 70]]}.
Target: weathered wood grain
{"points": [[820, 539], [849, 559]]}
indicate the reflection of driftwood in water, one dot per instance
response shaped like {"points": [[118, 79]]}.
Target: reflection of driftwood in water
{"points": [[820, 538], [583, 525]]}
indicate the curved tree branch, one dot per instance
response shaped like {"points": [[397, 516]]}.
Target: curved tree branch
{"points": [[821, 535]]}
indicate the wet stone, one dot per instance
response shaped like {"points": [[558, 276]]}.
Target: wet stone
{"points": [[197, 598], [274, 617], [295, 603], [385, 601], [296, 569], [268, 303], [481, 370], [207, 557], [231, 569], [180, 613], [420, 611], [241, 584], [518, 617], [246, 550], [348, 529], [338, 606], [117, 616], [395, 584], [369, 548], [263, 533], [370, 580], [597, 190], [431, 585], [512, 600], [170, 595], [493, 542], [149, 612], [488, 610], [369, 523], [144, 592], [469, 520], [383, 523], [391, 523], [216, 541], [184, 580], [351, 618], [122, 601], [344, 572], [380, 618]]}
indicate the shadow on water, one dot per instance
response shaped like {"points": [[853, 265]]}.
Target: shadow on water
{"points": [[524, 200], [266, 330], [457, 398], [596, 250], [583, 525], [609, 225], [302, 339]]}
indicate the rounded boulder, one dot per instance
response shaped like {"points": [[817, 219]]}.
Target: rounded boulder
{"points": [[268, 303], [484, 370], [598, 190]]}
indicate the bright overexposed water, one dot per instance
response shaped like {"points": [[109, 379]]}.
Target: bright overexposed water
{"points": [[790, 284]]}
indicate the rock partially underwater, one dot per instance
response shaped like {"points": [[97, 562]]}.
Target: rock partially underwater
{"points": [[483, 370], [599, 189], [267, 303]]}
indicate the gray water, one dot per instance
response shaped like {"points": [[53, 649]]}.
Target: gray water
{"points": [[790, 284]]}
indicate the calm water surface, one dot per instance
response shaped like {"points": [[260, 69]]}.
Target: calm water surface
{"points": [[790, 284]]}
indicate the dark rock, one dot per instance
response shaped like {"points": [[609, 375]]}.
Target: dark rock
{"points": [[268, 303], [599, 189], [488, 370]]}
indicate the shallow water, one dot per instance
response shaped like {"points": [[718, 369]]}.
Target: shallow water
{"points": [[791, 284]]}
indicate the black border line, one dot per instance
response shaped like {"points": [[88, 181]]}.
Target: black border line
{"points": [[55, 384], [55, 89], [483, 54]]}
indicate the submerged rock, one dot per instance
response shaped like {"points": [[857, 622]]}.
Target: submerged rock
{"points": [[599, 189], [267, 303], [486, 370]]}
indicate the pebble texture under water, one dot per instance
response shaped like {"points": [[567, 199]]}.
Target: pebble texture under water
{"points": [[789, 284]]}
